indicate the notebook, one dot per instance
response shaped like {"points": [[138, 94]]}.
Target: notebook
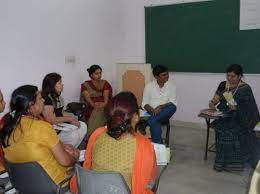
{"points": [[64, 127], [211, 112], [162, 154]]}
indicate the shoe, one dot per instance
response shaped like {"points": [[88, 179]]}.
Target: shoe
{"points": [[218, 169]]}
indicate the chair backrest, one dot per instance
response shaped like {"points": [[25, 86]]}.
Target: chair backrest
{"points": [[89, 181], [133, 77], [30, 178]]}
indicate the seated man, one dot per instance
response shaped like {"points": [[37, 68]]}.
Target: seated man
{"points": [[159, 100]]}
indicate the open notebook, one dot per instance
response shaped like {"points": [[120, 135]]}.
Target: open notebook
{"points": [[162, 154], [211, 112], [64, 127]]}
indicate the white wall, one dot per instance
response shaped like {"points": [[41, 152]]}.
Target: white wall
{"points": [[194, 90], [35, 36]]}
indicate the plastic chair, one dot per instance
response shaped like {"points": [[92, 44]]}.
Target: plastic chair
{"points": [[31, 178], [89, 181]]}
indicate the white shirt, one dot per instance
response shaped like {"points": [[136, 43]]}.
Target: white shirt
{"points": [[155, 96]]}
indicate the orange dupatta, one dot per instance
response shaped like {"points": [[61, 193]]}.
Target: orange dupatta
{"points": [[144, 170]]}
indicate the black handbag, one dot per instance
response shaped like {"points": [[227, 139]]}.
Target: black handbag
{"points": [[77, 108]]}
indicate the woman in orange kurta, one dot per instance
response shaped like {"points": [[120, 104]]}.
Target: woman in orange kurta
{"points": [[123, 117]]}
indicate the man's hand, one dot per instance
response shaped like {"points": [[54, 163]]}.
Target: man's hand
{"points": [[157, 110]]}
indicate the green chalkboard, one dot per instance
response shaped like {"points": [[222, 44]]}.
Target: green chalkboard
{"points": [[200, 37]]}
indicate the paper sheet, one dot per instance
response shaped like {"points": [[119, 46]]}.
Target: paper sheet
{"points": [[249, 14], [64, 127], [144, 113], [82, 155], [162, 154]]}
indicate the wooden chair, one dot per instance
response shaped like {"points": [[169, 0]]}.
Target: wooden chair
{"points": [[133, 77]]}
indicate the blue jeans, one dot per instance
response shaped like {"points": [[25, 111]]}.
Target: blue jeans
{"points": [[155, 122]]}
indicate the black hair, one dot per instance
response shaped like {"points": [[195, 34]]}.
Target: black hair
{"points": [[120, 111], [21, 100], [48, 85], [236, 68], [93, 68], [158, 69]]}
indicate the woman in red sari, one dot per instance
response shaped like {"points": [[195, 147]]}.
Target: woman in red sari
{"points": [[96, 94]]}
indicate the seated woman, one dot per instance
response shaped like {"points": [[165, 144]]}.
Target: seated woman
{"points": [[26, 138], [2, 102], [235, 139], [96, 94], [52, 88], [120, 148], [2, 108]]}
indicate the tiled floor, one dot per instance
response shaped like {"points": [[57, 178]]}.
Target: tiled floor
{"points": [[188, 173]]}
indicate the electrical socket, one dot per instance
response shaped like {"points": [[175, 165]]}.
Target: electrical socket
{"points": [[70, 59]]}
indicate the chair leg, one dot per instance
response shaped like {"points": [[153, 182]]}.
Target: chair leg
{"points": [[167, 138]]}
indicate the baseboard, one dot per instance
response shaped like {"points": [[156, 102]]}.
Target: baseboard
{"points": [[192, 125]]}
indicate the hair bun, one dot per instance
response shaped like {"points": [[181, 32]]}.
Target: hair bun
{"points": [[93, 68]]}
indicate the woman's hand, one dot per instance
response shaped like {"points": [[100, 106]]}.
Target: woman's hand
{"points": [[232, 107], [99, 105], [214, 102], [71, 150], [73, 121], [211, 105], [76, 123], [68, 148]]}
